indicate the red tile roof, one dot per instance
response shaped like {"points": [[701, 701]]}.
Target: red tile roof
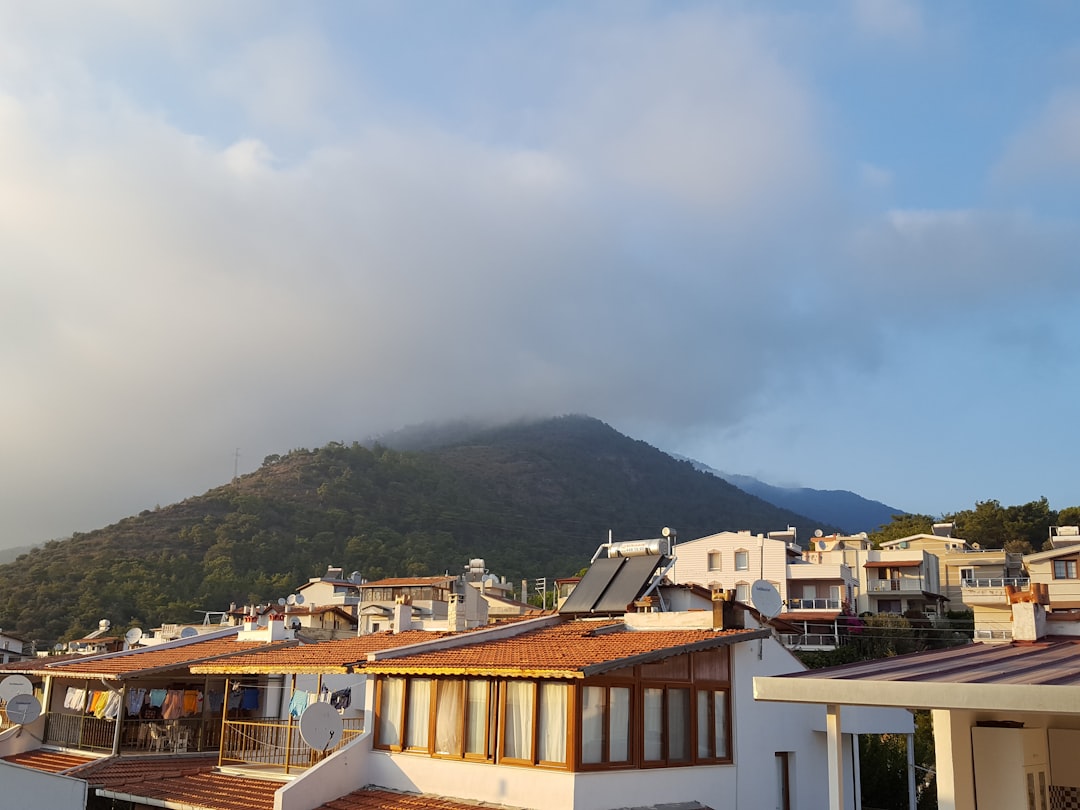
{"points": [[38, 664], [147, 660], [893, 564], [571, 649], [325, 657], [196, 789], [46, 759]]}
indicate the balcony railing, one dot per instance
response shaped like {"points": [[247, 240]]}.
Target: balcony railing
{"points": [[813, 604], [1020, 583], [797, 641], [993, 635], [88, 733], [895, 585], [276, 744]]}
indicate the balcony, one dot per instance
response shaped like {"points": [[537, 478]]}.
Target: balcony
{"points": [[85, 732], [813, 604], [276, 745], [896, 586], [810, 641], [990, 591]]}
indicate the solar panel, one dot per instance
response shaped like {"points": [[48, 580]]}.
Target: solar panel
{"points": [[629, 582], [592, 585]]}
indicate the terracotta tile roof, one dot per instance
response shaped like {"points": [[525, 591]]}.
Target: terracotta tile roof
{"points": [[324, 657], [146, 660], [377, 799], [46, 759], [893, 564], [180, 780], [392, 582], [38, 664], [571, 649]]}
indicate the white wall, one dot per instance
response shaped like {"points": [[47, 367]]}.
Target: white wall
{"points": [[24, 788]]}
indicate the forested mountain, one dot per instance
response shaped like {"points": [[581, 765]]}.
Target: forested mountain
{"points": [[851, 512], [533, 499]]}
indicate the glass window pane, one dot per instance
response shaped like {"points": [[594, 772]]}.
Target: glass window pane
{"points": [[476, 718], [678, 717], [416, 721], [654, 724], [518, 722], [552, 741], [393, 689], [448, 717], [619, 724], [720, 712], [704, 726], [592, 723]]}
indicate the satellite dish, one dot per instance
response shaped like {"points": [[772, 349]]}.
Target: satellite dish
{"points": [[818, 533], [58, 647], [822, 545], [133, 636], [290, 599], [320, 726], [299, 599], [840, 544], [356, 577], [281, 601], [189, 632], [23, 709], [766, 598], [666, 532], [14, 685]]}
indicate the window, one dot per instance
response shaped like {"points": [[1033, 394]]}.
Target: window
{"points": [[783, 780], [742, 560], [742, 592], [391, 693], [534, 722], [1064, 569], [714, 560], [462, 725], [667, 724], [518, 720], [967, 575], [449, 713], [605, 724], [712, 725], [417, 719], [551, 737], [478, 722]]}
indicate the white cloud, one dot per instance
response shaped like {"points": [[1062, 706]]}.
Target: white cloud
{"points": [[1049, 147], [897, 20]]}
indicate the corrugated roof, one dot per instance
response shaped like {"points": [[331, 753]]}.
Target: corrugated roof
{"points": [[571, 649], [325, 656]]}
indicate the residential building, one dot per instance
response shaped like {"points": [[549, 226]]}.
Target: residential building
{"points": [[1006, 717], [439, 602], [11, 648]]}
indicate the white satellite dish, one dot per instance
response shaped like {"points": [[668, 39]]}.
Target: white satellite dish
{"points": [[765, 597], [133, 636], [290, 599], [14, 685], [23, 709], [321, 726], [281, 601], [818, 533], [189, 632], [299, 599]]}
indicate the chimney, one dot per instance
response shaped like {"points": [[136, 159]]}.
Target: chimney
{"points": [[1029, 621], [455, 613], [402, 619]]}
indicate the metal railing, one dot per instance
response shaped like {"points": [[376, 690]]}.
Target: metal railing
{"points": [[900, 584], [802, 640], [88, 733], [276, 744], [813, 604], [993, 635], [1020, 583]]}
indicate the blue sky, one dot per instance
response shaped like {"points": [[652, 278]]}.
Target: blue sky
{"points": [[830, 245]]}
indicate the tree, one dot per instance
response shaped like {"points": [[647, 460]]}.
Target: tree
{"points": [[902, 526]]}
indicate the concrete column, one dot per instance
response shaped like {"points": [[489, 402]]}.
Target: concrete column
{"points": [[954, 766], [836, 757]]}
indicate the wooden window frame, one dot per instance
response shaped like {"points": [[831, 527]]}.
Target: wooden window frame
{"points": [[534, 760], [1068, 567], [377, 735], [633, 731], [710, 690]]}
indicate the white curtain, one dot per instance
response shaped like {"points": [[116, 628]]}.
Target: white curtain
{"points": [[678, 716], [519, 719], [418, 716], [448, 717], [619, 724], [476, 719], [592, 723], [654, 724], [393, 690], [720, 726], [553, 722]]}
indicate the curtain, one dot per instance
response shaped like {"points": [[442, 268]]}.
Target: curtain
{"points": [[552, 729], [393, 690], [619, 724], [518, 721], [448, 717], [704, 726], [654, 724], [417, 718], [678, 717], [476, 718], [720, 729], [592, 723]]}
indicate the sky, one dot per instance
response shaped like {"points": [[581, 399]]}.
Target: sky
{"points": [[829, 245]]}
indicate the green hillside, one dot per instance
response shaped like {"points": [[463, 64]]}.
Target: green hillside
{"points": [[532, 499]]}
